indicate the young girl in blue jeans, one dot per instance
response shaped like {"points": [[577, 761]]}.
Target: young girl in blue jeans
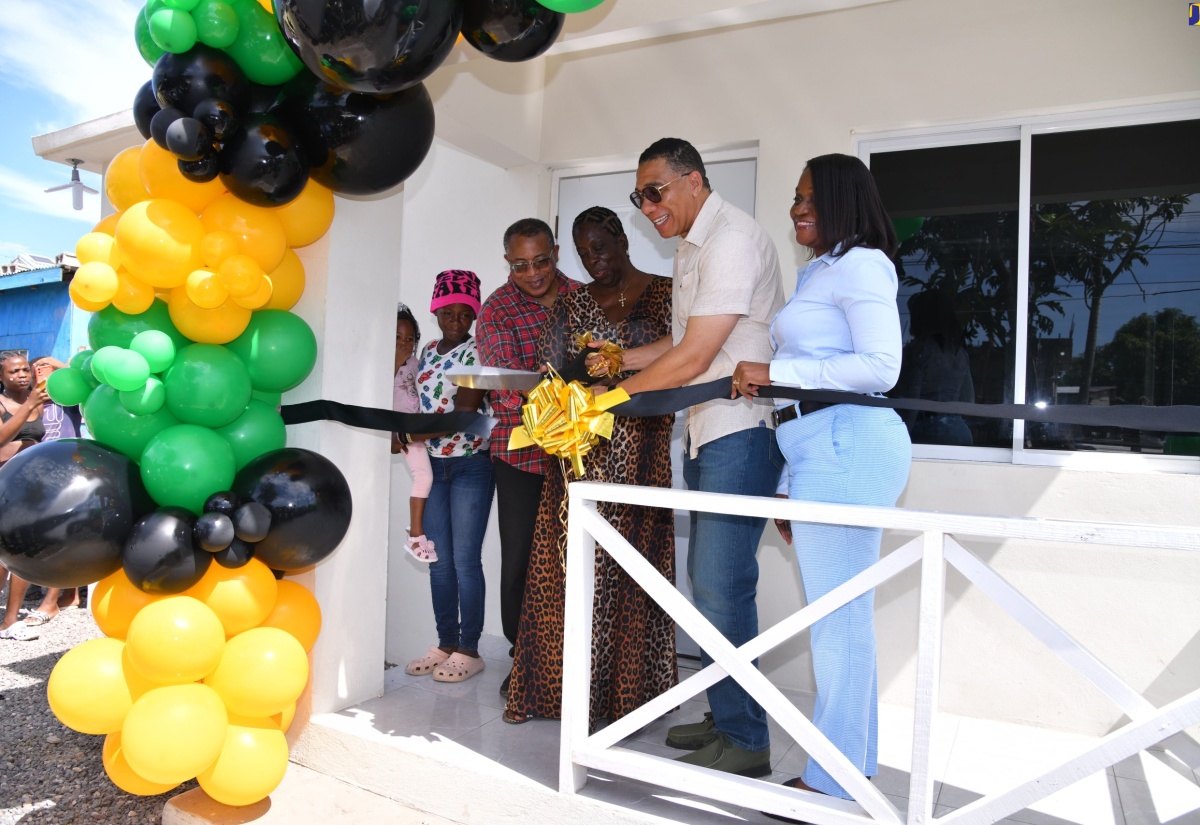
{"points": [[460, 499]]}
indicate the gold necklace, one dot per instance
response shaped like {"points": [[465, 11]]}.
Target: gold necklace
{"points": [[621, 298]]}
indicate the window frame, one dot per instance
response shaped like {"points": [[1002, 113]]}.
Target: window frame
{"points": [[1022, 129]]}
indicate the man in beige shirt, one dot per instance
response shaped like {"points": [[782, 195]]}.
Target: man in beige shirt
{"points": [[726, 289]]}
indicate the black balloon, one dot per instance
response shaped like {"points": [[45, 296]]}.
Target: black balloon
{"points": [[225, 502], [358, 144], [145, 106], [219, 117], [200, 171], [262, 98], [160, 556], [66, 508], [370, 46], [189, 139], [263, 163], [182, 81], [252, 522], [162, 121], [309, 502], [510, 30], [213, 532], [237, 554]]}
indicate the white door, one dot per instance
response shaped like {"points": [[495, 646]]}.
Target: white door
{"points": [[735, 180]]}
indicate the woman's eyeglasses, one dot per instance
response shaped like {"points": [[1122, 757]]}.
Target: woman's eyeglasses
{"points": [[539, 265], [650, 193]]}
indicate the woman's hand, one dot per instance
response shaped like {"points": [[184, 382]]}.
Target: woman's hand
{"points": [[748, 377], [37, 397], [783, 525], [398, 445]]}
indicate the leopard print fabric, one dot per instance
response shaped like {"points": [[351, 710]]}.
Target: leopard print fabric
{"points": [[633, 640]]}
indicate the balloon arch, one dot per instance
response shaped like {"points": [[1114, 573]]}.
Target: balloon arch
{"points": [[186, 505]]}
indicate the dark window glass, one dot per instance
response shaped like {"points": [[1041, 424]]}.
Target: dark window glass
{"points": [[1115, 279], [955, 211]]}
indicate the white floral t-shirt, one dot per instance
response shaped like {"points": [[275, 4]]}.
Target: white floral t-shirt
{"points": [[437, 396]]}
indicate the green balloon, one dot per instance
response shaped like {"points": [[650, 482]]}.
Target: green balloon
{"points": [[184, 465], [146, 399], [207, 385], [256, 431], [111, 327], [111, 424], [68, 387], [569, 6], [278, 348], [216, 23], [156, 347], [147, 48], [260, 50], [268, 397], [127, 371], [103, 359], [182, 5], [172, 30], [78, 358]]}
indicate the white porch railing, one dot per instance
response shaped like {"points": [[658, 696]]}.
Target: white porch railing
{"points": [[935, 546]]}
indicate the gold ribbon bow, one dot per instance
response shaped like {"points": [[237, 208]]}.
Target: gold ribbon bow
{"points": [[612, 357], [566, 420]]}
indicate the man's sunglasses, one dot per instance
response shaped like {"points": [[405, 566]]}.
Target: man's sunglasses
{"points": [[650, 193]]}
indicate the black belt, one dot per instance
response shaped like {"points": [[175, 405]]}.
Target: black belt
{"points": [[782, 415]]}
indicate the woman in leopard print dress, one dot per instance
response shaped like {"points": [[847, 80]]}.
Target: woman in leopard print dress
{"points": [[633, 640]]}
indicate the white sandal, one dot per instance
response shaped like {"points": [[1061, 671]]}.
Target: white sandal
{"points": [[421, 548], [458, 668], [20, 632], [425, 665]]}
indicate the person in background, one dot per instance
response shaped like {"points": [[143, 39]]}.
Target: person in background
{"points": [[22, 425], [509, 324], [839, 331], [405, 399], [936, 367], [633, 639], [726, 289], [460, 499]]}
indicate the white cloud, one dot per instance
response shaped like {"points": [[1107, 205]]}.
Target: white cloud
{"points": [[82, 55], [25, 194], [9, 250]]}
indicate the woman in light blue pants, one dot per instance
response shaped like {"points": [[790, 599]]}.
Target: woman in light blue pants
{"points": [[839, 331]]}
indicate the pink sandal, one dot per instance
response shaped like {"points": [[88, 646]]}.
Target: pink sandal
{"points": [[425, 665], [421, 549], [458, 668]]}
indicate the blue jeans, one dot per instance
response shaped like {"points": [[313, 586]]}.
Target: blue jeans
{"points": [[848, 455], [723, 567], [456, 517]]}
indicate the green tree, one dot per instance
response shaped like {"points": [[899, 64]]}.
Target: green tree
{"points": [[1154, 359]]}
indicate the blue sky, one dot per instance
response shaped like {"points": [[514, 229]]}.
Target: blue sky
{"points": [[64, 63]]}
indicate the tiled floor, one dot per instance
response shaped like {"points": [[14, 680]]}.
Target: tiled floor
{"points": [[972, 757]]}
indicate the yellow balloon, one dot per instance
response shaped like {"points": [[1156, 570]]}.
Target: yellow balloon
{"points": [[159, 172], [258, 298], [122, 184], [95, 282], [134, 296], [296, 611], [175, 640], [241, 275], [308, 216], [251, 765], [108, 225], [98, 247], [160, 241], [80, 301], [266, 4], [115, 600], [287, 282], [87, 689], [206, 326], [241, 597], [216, 247], [205, 289], [284, 720], [263, 671], [258, 231], [122, 775], [173, 733]]}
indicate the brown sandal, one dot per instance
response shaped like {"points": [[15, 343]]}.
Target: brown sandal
{"points": [[513, 718]]}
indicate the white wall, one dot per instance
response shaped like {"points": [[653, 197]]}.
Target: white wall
{"points": [[799, 88]]}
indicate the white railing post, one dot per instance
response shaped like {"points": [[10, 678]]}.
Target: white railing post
{"points": [[577, 640], [930, 630]]}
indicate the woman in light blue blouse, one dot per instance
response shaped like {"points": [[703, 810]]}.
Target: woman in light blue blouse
{"points": [[839, 331]]}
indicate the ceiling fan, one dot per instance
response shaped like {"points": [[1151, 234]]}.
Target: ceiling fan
{"points": [[76, 185]]}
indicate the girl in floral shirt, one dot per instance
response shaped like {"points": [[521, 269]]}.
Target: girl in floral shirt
{"points": [[460, 500]]}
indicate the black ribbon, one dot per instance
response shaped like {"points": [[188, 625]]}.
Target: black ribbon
{"points": [[1174, 419], [371, 418]]}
